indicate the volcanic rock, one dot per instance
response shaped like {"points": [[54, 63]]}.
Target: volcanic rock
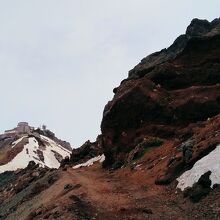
{"points": [[166, 93]]}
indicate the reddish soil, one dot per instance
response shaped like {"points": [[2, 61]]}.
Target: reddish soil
{"points": [[123, 194]]}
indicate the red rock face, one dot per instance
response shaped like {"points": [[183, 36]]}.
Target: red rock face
{"points": [[166, 92], [8, 153]]}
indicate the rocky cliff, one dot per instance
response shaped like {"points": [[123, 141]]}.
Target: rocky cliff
{"points": [[167, 94]]}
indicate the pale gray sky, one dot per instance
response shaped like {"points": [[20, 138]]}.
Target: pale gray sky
{"points": [[60, 60]]}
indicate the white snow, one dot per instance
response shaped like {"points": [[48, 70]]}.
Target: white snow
{"points": [[90, 162], [23, 158], [49, 157], [211, 162], [58, 147]]}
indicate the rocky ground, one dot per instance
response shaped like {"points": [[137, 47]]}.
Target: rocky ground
{"points": [[94, 193]]}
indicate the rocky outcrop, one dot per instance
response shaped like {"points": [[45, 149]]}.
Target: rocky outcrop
{"points": [[199, 189], [199, 31], [168, 92], [87, 151]]}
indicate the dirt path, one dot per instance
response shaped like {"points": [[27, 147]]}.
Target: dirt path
{"points": [[114, 195], [101, 189], [101, 194], [123, 195]]}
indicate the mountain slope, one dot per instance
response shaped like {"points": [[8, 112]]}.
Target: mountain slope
{"points": [[16, 151]]}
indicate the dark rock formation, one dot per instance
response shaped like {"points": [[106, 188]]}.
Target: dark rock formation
{"points": [[198, 31], [87, 151], [166, 92], [199, 189]]}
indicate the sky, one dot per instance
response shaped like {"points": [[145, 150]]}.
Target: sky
{"points": [[60, 60]]}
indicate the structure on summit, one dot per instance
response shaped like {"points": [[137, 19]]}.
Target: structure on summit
{"points": [[22, 127]]}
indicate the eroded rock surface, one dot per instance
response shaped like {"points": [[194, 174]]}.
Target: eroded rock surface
{"points": [[166, 94]]}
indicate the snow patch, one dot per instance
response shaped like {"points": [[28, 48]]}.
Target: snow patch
{"points": [[90, 162], [49, 157], [57, 147], [22, 159], [211, 162]]}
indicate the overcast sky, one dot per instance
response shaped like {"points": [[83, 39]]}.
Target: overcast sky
{"points": [[61, 59]]}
